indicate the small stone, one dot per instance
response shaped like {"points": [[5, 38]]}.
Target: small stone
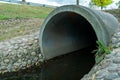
{"points": [[24, 63], [19, 56], [5, 54], [25, 47], [40, 55], [118, 45], [36, 37], [19, 60], [118, 33], [99, 74], [116, 60], [41, 60], [9, 50], [29, 47], [33, 53], [16, 68], [16, 64], [24, 40], [112, 68], [29, 61], [114, 40], [19, 41], [13, 53], [30, 43], [25, 51], [6, 60], [117, 79], [111, 76], [3, 68], [36, 59], [110, 55], [118, 54], [16, 47], [36, 41], [22, 44]]}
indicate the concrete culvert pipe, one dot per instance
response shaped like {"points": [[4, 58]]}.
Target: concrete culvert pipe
{"points": [[70, 28]]}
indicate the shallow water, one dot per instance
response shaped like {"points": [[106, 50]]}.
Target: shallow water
{"points": [[72, 66]]}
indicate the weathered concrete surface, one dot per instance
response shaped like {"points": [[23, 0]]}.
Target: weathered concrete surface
{"points": [[70, 28]]}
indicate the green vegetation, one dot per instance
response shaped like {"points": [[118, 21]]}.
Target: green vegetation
{"points": [[101, 51], [19, 20], [16, 20], [22, 11], [101, 3]]}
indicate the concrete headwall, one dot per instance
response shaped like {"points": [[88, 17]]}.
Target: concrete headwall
{"points": [[71, 27]]}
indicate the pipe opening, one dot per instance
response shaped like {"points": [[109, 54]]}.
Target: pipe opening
{"points": [[71, 34], [67, 32]]}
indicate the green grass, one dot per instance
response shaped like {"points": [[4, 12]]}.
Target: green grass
{"points": [[22, 11], [19, 20], [28, 19]]}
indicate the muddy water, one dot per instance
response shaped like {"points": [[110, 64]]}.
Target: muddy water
{"points": [[72, 66]]}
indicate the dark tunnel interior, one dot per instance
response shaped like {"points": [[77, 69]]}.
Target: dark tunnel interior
{"points": [[71, 36], [67, 32]]}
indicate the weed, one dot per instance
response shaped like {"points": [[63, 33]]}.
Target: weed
{"points": [[100, 52]]}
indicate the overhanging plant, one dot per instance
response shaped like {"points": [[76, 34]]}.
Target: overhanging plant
{"points": [[100, 52]]}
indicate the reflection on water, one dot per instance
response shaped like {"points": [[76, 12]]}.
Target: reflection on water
{"points": [[72, 66]]}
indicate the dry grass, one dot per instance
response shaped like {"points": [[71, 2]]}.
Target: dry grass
{"points": [[18, 27], [17, 20]]}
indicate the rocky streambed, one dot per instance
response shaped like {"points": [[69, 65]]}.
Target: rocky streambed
{"points": [[19, 53], [21, 59], [109, 67]]}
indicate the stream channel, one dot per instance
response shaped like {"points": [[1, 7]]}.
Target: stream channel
{"points": [[72, 66]]}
